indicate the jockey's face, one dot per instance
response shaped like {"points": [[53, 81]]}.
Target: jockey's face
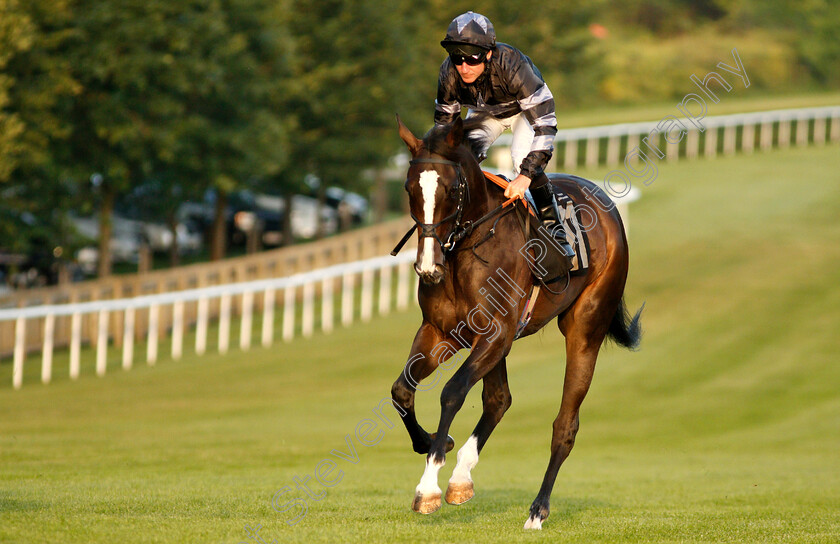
{"points": [[470, 73]]}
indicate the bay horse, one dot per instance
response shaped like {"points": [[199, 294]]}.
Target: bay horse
{"points": [[473, 282]]}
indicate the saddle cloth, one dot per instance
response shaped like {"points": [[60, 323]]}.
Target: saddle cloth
{"points": [[572, 221]]}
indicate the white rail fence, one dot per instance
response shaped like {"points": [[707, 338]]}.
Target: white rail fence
{"points": [[156, 315], [302, 289], [607, 145]]}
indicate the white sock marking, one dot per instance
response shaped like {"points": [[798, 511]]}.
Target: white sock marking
{"points": [[467, 459], [428, 483]]}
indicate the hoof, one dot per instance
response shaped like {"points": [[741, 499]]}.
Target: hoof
{"points": [[426, 504], [534, 522], [459, 493]]}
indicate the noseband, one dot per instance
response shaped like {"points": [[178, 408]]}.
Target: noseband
{"points": [[429, 230]]}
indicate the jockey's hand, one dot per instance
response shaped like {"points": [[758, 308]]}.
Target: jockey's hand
{"points": [[517, 187]]}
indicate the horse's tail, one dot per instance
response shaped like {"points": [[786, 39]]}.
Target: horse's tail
{"points": [[623, 330]]}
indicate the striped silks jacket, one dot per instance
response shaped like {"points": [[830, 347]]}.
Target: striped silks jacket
{"points": [[510, 84]]}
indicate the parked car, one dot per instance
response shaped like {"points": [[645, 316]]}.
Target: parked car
{"points": [[305, 217], [354, 205], [126, 239], [263, 213], [152, 227]]}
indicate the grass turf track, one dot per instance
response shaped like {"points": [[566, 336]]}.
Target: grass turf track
{"points": [[724, 427]]}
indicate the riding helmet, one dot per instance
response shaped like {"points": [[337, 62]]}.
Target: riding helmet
{"points": [[469, 33]]}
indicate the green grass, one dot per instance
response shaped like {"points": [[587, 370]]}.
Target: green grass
{"points": [[724, 427]]}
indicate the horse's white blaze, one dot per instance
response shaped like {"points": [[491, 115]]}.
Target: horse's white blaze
{"points": [[429, 184], [428, 483], [467, 459]]}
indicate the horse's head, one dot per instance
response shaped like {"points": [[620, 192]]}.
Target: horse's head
{"points": [[437, 193]]}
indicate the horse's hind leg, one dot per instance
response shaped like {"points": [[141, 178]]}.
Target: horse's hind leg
{"points": [[419, 366], [584, 334], [496, 400]]}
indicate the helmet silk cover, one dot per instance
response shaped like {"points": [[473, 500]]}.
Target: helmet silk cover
{"points": [[469, 33]]}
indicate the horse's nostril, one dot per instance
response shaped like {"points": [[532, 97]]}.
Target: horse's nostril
{"points": [[430, 278]]}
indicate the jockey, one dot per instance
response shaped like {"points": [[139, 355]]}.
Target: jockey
{"points": [[500, 82]]}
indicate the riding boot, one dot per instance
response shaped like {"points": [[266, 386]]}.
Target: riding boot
{"points": [[550, 215]]}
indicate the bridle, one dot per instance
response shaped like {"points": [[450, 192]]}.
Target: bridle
{"points": [[429, 230], [459, 230]]}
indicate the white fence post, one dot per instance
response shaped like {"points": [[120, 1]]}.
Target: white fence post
{"points": [[152, 336], [592, 145], [49, 339], [268, 318], [367, 294], [177, 330], [289, 314], [766, 136], [729, 139], [347, 286], [748, 138], [102, 343], [784, 133], [710, 148], [224, 324], [203, 318], [692, 143], [632, 141], [570, 155], [612, 150], [128, 338], [802, 127], [819, 131], [327, 305], [672, 150], [246, 322], [308, 316], [20, 352], [75, 345]]}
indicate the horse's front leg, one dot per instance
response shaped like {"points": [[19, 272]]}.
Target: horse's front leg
{"points": [[496, 399], [484, 357], [421, 363]]}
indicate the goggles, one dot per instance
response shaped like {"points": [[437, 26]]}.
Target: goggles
{"points": [[471, 60]]}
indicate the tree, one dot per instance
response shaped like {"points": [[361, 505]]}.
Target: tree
{"points": [[16, 35], [355, 65], [163, 91], [34, 81]]}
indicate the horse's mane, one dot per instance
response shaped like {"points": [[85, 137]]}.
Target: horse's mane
{"points": [[435, 139], [474, 121]]}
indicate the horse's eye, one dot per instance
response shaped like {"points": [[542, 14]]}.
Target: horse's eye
{"points": [[453, 191]]}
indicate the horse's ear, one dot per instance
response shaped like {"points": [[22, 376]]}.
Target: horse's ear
{"points": [[410, 139], [456, 133]]}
